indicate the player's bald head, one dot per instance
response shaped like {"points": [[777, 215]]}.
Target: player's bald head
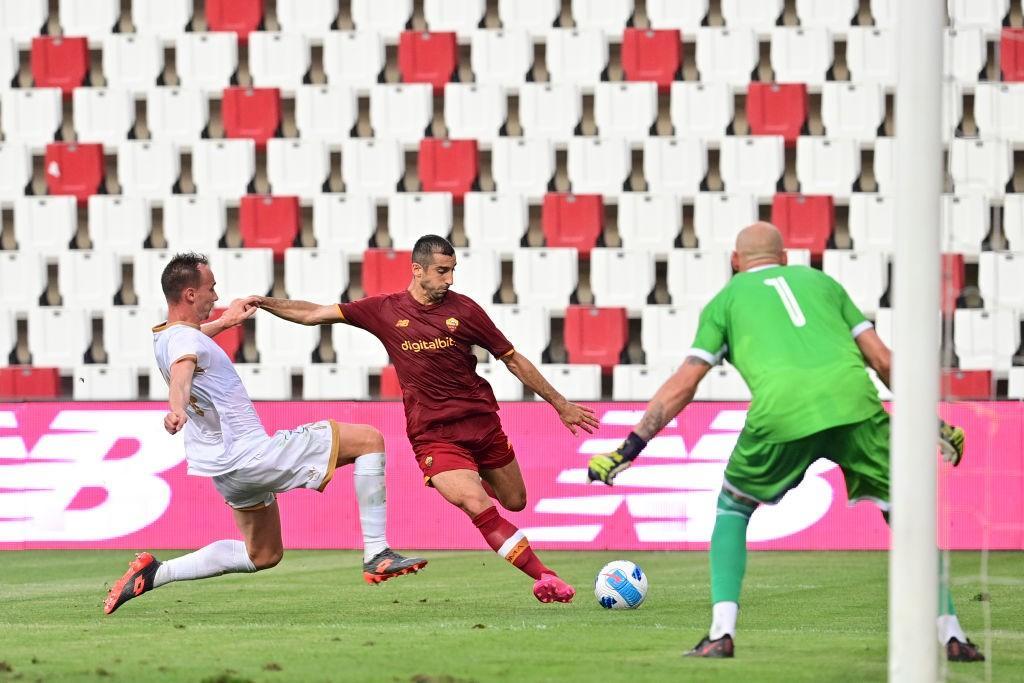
{"points": [[758, 244]]}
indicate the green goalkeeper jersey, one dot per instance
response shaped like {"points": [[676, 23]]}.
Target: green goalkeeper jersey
{"points": [[790, 332]]}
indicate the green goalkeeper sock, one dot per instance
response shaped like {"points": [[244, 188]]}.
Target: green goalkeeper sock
{"points": [[729, 548], [945, 594]]}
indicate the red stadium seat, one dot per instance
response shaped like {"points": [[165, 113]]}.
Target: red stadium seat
{"points": [[777, 109], [251, 113], [59, 62], [572, 220], [22, 381], [389, 386], [386, 271], [269, 222], [240, 16], [952, 281], [962, 385], [230, 340], [595, 335], [805, 221], [649, 55], [75, 169], [448, 166], [427, 57], [1011, 54]]}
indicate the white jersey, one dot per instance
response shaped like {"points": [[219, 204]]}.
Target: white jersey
{"points": [[223, 430]]}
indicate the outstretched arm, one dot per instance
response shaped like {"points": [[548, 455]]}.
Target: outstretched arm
{"points": [[179, 394], [302, 312], [237, 313], [572, 415]]}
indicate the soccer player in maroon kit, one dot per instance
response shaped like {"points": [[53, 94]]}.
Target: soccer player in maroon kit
{"points": [[451, 413]]}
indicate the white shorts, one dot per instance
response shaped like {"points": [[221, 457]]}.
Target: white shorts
{"points": [[300, 458]]}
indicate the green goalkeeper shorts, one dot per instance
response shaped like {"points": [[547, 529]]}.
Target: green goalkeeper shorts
{"points": [[766, 471]]}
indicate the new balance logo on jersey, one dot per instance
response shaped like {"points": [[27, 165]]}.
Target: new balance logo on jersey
{"points": [[402, 323], [435, 344]]}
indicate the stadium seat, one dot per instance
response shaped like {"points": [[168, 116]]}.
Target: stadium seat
{"points": [[206, 60], [21, 382], [638, 382], [58, 337], [625, 110], [223, 168], [119, 224], [684, 15], [827, 166], [727, 55], [280, 342], [478, 274], [751, 164], [354, 347], [311, 18], [836, 16], [871, 55], [238, 16], [315, 274], [577, 56], [495, 221], [545, 277], [964, 53], [527, 327], [522, 166], [166, 19], [621, 277], [1001, 280], [550, 111], [131, 61], [1015, 388], [59, 62], [299, 167], [242, 272], [386, 17], [15, 170], [883, 12], [251, 113], [194, 222], [177, 115], [872, 222], [88, 279], [24, 19], [504, 384], [328, 382], [104, 115], [724, 383], [147, 266], [414, 214], [694, 276], [572, 220], [1011, 54], [777, 109], [675, 166], [127, 338], [598, 165], [966, 385], [147, 169], [953, 278], [719, 216], [980, 166], [852, 111], [22, 278], [373, 167], [8, 335], [344, 222], [997, 111], [575, 382], [459, 16], [385, 271], [93, 19], [702, 110], [801, 55], [666, 333], [1013, 220], [44, 224], [427, 57], [966, 221], [533, 16], [448, 166], [353, 58], [475, 112], [805, 221], [270, 222], [501, 56], [265, 382], [864, 275], [649, 221], [652, 55], [230, 340], [884, 165], [9, 62], [401, 111], [758, 14], [31, 115], [278, 59], [610, 16], [595, 335], [988, 14], [952, 110], [104, 383], [325, 112]]}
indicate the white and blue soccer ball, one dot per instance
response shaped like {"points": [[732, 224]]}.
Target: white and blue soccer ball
{"points": [[621, 585]]}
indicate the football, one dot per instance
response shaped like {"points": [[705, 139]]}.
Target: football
{"points": [[621, 585]]}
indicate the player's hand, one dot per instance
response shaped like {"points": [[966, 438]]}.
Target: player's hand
{"points": [[239, 311], [951, 442], [573, 416], [174, 422], [606, 466]]}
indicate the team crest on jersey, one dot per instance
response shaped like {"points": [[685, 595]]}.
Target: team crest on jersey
{"points": [[452, 323], [402, 323]]}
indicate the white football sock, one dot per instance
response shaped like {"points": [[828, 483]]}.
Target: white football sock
{"points": [[371, 492], [949, 627], [723, 619], [220, 557]]}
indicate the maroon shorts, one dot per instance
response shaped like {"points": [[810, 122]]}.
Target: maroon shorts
{"points": [[474, 443]]}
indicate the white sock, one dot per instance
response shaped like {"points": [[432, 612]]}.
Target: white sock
{"points": [[723, 619], [949, 627], [220, 557], [371, 492]]}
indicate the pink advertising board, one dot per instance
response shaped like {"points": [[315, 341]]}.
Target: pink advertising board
{"points": [[106, 475]]}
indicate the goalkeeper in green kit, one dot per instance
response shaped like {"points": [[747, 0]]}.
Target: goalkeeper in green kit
{"points": [[801, 345]]}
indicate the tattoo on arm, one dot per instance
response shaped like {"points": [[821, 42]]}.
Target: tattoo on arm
{"points": [[652, 422]]}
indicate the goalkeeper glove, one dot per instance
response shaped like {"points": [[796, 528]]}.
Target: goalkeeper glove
{"points": [[951, 442], [606, 466]]}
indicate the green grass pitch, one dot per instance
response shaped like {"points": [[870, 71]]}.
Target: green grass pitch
{"points": [[470, 617]]}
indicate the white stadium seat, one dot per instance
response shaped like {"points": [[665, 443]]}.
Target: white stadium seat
{"points": [[177, 115], [8, 335], [31, 115], [354, 347], [522, 166], [386, 17], [401, 111], [835, 15], [964, 53], [280, 342], [621, 277], [414, 214], [265, 382], [477, 274], [206, 60], [325, 112], [474, 111], [801, 55], [127, 335], [22, 278], [675, 165], [501, 56], [610, 16], [871, 55], [223, 168], [575, 382], [15, 170], [702, 110], [319, 274], [495, 221], [93, 19], [625, 110], [311, 18], [985, 340], [328, 382], [864, 275], [649, 221], [598, 165], [194, 223], [752, 164], [576, 56], [965, 223], [872, 222], [132, 61], [278, 59], [58, 337], [527, 327], [885, 165], [1001, 279], [242, 272], [371, 166], [719, 216], [344, 222], [297, 167], [504, 384], [884, 12], [727, 55], [148, 265], [1013, 221], [980, 166], [9, 61], [1016, 383], [45, 224], [666, 332], [459, 16], [757, 14], [534, 16], [827, 166], [685, 15], [724, 383], [852, 111], [988, 14], [88, 279], [999, 110], [23, 19], [550, 111], [166, 19], [952, 109], [353, 58], [545, 277], [105, 383], [103, 114], [638, 382], [694, 276], [147, 168], [798, 257], [119, 224]]}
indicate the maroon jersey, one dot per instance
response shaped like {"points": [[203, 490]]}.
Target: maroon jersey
{"points": [[431, 349]]}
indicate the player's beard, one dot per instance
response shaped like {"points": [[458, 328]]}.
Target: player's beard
{"points": [[437, 294]]}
